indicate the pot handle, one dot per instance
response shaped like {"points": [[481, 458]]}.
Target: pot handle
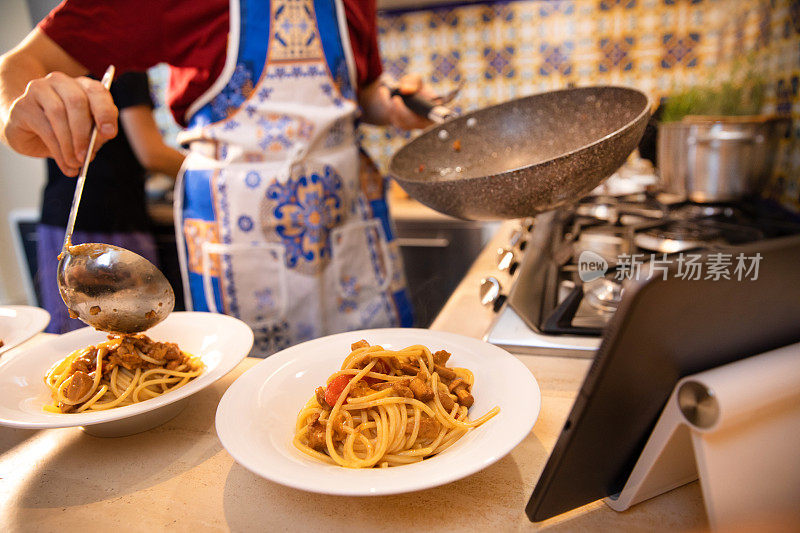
{"points": [[423, 107], [737, 136]]}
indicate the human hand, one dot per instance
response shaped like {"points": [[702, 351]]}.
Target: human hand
{"points": [[54, 118], [398, 113]]}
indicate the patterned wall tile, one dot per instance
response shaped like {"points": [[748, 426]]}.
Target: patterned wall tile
{"points": [[616, 54], [679, 50], [499, 62]]}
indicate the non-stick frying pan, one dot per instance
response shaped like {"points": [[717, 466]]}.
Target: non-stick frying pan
{"points": [[525, 156]]}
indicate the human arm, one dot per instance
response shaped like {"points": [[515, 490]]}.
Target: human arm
{"points": [[48, 107], [377, 104], [146, 141]]}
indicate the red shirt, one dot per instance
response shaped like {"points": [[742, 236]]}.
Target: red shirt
{"points": [[190, 35]]}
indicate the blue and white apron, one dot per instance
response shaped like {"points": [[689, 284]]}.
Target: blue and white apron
{"points": [[281, 220]]}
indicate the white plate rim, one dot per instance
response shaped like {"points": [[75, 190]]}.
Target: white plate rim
{"points": [[51, 421], [252, 380], [39, 319]]}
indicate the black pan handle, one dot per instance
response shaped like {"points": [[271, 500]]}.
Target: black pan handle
{"points": [[424, 107]]}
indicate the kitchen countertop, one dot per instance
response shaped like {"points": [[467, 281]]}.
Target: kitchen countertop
{"points": [[179, 476]]}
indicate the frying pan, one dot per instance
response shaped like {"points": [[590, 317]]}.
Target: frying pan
{"points": [[524, 156]]}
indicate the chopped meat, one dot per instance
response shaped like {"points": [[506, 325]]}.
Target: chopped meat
{"points": [[460, 388], [338, 429], [360, 344], [381, 367], [402, 390], [79, 385], [361, 388], [441, 357], [319, 392], [464, 397], [168, 351], [316, 436], [444, 372], [456, 383], [408, 369], [428, 428], [173, 365], [421, 390], [388, 384], [128, 360], [444, 397], [86, 362]]}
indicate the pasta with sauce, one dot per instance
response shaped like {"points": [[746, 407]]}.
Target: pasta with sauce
{"points": [[388, 408], [120, 371]]}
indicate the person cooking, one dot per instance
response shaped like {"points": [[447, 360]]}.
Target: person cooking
{"points": [[281, 220], [113, 208]]}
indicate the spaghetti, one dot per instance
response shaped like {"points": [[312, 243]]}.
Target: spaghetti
{"points": [[120, 371], [387, 408]]}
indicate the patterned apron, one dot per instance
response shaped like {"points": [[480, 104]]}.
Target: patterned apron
{"points": [[281, 220]]}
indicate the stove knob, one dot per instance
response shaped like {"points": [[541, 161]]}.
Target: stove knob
{"points": [[490, 290], [527, 224], [517, 237], [506, 260]]}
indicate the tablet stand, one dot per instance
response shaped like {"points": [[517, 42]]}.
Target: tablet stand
{"points": [[737, 429]]}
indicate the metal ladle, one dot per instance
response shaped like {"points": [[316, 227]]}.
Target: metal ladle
{"points": [[108, 287]]}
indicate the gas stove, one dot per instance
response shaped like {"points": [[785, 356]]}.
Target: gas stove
{"points": [[556, 305]]}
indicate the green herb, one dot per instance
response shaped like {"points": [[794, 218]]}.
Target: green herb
{"points": [[745, 96]]}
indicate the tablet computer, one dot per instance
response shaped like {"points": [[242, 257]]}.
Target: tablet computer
{"points": [[666, 327]]}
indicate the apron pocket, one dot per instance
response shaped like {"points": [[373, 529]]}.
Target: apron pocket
{"points": [[252, 280], [361, 262]]}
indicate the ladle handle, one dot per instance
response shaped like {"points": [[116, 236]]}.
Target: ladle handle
{"points": [[76, 199]]}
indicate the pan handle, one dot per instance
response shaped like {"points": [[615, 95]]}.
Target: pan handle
{"points": [[424, 107]]}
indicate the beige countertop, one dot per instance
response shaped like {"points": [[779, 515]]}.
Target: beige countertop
{"points": [[179, 476]]}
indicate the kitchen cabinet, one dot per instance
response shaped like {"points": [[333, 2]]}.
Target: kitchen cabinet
{"points": [[437, 251]]}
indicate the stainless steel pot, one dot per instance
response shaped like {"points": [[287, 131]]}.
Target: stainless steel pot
{"points": [[717, 159]]}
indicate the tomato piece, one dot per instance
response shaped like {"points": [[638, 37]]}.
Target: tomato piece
{"points": [[335, 388]]}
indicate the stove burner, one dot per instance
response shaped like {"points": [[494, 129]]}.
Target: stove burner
{"points": [[702, 211], [606, 241], [603, 294], [678, 236], [633, 220], [605, 212], [551, 298]]}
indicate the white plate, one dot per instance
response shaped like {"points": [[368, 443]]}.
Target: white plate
{"points": [[19, 323], [256, 416], [220, 341]]}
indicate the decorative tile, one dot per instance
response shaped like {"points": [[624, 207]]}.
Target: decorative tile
{"points": [[443, 18], [556, 59], [445, 67], [679, 50], [616, 54], [499, 62], [608, 5]]}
